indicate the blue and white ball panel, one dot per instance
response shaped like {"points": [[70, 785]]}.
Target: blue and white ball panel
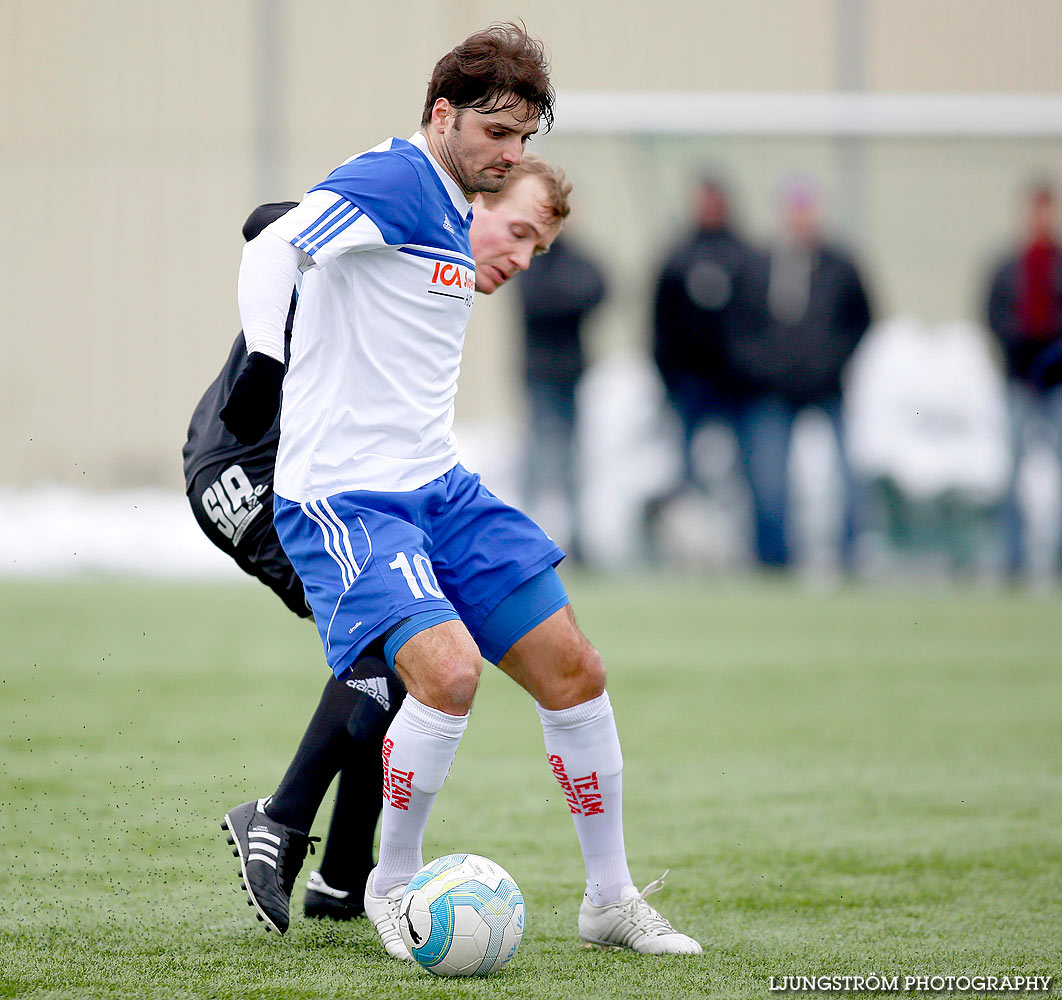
{"points": [[463, 915]]}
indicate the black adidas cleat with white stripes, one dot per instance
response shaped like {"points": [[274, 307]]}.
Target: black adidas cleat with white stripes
{"points": [[271, 855]]}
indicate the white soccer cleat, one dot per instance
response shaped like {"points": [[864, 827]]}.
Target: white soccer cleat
{"points": [[632, 923], [383, 911]]}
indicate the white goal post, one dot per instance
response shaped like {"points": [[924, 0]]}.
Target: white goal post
{"points": [[808, 113]]}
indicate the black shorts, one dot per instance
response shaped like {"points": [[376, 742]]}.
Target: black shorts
{"points": [[232, 501]]}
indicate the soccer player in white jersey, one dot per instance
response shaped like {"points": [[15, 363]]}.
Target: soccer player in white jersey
{"points": [[392, 538], [347, 729]]}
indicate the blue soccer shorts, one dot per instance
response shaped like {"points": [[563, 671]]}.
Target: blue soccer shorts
{"points": [[449, 550]]}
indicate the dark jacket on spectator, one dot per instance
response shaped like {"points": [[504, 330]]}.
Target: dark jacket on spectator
{"points": [[796, 345], [1027, 331], [557, 292], [694, 294]]}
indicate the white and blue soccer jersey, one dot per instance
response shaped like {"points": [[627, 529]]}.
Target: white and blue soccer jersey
{"points": [[387, 287]]}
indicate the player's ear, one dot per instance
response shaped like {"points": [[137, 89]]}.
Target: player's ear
{"points": [[441, 110]]}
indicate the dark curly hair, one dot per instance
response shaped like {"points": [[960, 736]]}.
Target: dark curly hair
{"points": [[494, 70]]}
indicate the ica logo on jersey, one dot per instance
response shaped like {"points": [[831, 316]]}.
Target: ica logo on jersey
{"points": [[453, 281]]}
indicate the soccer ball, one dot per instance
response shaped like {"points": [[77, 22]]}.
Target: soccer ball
{"points": [[462, 915]]}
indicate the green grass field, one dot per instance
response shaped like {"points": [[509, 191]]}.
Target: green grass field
{"points": [[868, 781]]}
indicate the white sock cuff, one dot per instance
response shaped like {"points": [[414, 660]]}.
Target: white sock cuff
{"points": [[432, 721], [577, 715]]}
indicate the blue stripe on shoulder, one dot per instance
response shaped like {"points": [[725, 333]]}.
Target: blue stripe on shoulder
{"points": [[327, 229], [322, 219], [386, 186]]}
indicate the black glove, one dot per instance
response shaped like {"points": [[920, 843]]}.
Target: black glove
{"points": [[254, 401]]}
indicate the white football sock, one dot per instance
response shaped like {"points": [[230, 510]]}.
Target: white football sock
{"points": [[417, 753], [583, 750]]}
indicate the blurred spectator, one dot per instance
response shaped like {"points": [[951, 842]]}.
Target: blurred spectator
{"points": [[694, 297], [803, 311], [1024, 310], [557, 293]]}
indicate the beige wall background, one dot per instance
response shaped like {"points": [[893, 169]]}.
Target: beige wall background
{"points": [[135, 136]]}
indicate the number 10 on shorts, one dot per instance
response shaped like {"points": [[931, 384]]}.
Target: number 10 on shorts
{"points": [[424, 572]]}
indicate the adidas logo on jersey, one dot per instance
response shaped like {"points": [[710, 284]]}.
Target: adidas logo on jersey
{"points": [[447, 226], [374, 687]]}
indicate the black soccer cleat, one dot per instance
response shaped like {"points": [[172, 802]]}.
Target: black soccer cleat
{"points": [[322, 900], [271, 855]]}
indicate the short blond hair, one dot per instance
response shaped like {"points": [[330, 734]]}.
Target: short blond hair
{"points": [[557, 185]]}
